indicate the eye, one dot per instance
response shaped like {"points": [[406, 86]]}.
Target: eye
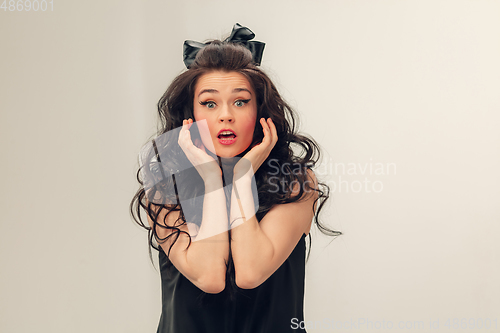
{"points": [[208, 104], [241, 102]]}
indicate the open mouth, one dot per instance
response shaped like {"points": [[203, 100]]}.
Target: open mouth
{"points": [[226, 136]]}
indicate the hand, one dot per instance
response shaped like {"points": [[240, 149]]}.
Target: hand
{"points": [[207, 166], [259, 153]]}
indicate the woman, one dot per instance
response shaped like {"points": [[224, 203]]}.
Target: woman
{"points": [[231, 229]]}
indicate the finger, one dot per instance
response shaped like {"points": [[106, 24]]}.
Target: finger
{"points": [[185, 125], [269, 124], [181, 132], [274, 131], [264, 126], [267, 132], [185, 135]]}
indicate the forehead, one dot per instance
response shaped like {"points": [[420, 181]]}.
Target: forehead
{"points": [[222, 81]]}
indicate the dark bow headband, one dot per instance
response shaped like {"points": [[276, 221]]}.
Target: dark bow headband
{"points": [[240, 34]]}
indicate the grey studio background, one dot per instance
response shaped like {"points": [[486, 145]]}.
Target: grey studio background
{"points": [[402, 96]]}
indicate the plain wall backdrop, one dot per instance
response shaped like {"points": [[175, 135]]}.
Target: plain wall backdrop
{"points": [[403, 96]]}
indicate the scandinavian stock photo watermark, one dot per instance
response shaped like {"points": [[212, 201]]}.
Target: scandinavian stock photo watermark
{"points": [[341, 177], [431, 324], [170, 178]]}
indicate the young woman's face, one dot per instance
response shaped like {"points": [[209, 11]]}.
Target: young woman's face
{"points": [[228, 103]]}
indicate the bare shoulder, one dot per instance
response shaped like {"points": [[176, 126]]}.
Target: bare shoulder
{"points": [[311, 184], [310, 190], [289, 221]]}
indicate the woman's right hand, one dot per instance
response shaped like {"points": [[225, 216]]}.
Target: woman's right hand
{"points": [[207, 166]]}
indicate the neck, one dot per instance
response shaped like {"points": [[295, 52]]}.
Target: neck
{"points": [[227, 164]]}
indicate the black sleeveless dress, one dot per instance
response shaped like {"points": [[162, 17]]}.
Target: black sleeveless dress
{"points": [[275, 306]]}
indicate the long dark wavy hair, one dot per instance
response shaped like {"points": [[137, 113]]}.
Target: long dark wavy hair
{"points": [[287, 163]]}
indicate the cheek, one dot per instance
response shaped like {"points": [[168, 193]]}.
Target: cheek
{"points": [[203, 128], [197, 115], [249, 127]]}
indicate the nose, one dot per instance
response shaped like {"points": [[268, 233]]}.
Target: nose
{"points": [[225, 115]]}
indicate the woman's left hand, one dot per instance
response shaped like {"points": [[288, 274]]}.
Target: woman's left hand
{"points": [[258, 154]]}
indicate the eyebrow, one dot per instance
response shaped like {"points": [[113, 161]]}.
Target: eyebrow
{"points": [[215, 91]]}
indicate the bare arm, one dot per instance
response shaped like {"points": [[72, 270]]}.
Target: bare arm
{"points": [[204, 262], [259, 249]]}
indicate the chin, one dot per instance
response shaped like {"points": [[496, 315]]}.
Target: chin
{"points": [[227, 154], [224, 153]]}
